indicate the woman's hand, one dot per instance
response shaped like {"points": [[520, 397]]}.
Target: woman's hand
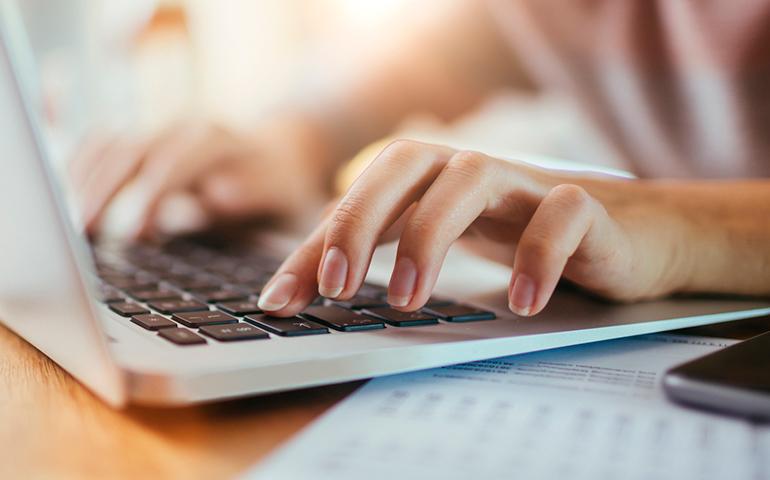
{"points": [[278, 170], [587, 229]]}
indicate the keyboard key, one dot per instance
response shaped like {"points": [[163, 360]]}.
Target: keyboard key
{"points": [[114, 277], [341, 319], [286, 327], [240, 309], [459, 313], [255, 287], [234, 332], [155, 294], [372, 291], [221, 295], [194, 282], [438, 302], [128, 309], [176, 306], [180, 268], [401, 319], [248, 274], [181, 336], [107, 294], [198, 319], [133, 284], [152, 321], [359, 302], [109, 271]]}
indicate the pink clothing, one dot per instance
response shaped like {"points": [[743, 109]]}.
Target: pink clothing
{"points": [[679, 87]]}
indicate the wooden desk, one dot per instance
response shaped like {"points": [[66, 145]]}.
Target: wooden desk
{"points": [[52, 427]]}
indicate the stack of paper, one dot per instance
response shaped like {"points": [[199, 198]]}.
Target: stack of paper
{"points": [[588, 412]]}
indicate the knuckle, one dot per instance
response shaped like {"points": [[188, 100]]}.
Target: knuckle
{"points": [[349, 216], [540, 249], [399, 152], [572, 196], [469, 164], [421, 229], [401, 145]]}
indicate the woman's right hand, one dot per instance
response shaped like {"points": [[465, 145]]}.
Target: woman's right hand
{"points": [[276, 171]]}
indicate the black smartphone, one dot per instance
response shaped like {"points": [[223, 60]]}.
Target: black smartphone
{"points": [[733, 380]]}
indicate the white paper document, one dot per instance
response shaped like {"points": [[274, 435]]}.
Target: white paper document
{"points": [[588, 412]]}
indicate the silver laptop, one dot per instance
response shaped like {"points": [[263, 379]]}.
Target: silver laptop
{"points": [[177, 324]]}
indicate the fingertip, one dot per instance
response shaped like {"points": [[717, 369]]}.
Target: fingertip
{"points": [[295, 306], [403, 282], [522, 295]]}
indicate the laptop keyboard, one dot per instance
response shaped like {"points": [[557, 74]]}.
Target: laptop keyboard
{"points": [[189, 294]]}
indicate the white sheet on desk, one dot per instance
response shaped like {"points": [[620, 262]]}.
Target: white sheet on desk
{"points": [[588, 412]]}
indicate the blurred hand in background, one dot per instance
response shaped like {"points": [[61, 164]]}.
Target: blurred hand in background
{"points": [[227, 175]]}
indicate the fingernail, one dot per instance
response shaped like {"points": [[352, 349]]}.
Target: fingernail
{"points": [[402, 282], [334, 273], [522, 295], [279, 293]]}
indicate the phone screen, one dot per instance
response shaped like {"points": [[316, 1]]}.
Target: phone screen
{"points": [[745, 365]]}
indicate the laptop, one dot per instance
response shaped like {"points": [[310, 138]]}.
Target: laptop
{"points": [[177, 324]]}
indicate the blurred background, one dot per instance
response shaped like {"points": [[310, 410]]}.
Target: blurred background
{"points": [[144, 64]]}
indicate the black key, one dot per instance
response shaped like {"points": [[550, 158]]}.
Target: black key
{"points": [[116, 277], [223, 265], [155, 294], [359, 302], [109, 271], [153, 321], [342, 319], [240, 309], [198, 319], [459, 313], [107, 294], [372, 291], [159, 264], [222, 295], [234, 332], [286, 327], [194, 282], [248, 274], [176, 306], [317, 301], [256, 286], [401, 319], [438, 302], [181, 336], [133, 284], [180, 268], [128, 309]]}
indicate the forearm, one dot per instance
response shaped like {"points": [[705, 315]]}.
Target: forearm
{"points": [[730, 234], [718, 232]]}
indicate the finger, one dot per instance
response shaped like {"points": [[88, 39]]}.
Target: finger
{"points": [[385, 190], [568, 218], [230, 194], [282, 297], [116, 166], [294, 286], [457, 197], [176, 165], [87, 156]]}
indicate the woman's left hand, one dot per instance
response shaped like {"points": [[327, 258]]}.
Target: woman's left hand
{"points": [[597, 232]]}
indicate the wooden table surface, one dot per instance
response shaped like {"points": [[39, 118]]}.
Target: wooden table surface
{"points": [[52, 427]]}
